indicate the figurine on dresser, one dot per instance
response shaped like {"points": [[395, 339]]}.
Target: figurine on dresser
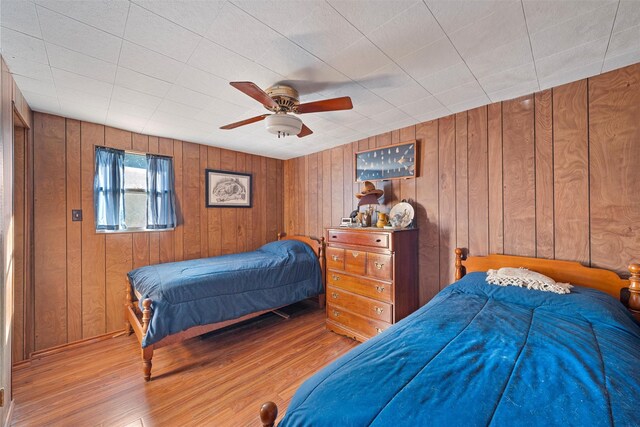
{"points": [[369, 194], [367, 205]]}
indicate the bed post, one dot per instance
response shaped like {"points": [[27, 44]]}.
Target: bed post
{"points": [[268, 414], [147, 352], [634, 289], [459, 268], [323, 267], [321, 250], [322, 300], [128, 304]]}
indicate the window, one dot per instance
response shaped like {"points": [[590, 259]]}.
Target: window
{"points": [[133, 191]]}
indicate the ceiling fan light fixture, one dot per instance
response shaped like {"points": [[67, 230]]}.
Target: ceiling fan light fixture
{"points": [[283, 125]]}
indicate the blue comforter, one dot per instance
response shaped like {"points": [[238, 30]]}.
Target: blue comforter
{"points": [[479, 355], [209, 290]]}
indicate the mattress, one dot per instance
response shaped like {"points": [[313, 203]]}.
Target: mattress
{"points": [[479, 354], [211, 290]]}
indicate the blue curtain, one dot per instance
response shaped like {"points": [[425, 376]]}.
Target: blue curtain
{"points": [[161, 205], [108, 189]]}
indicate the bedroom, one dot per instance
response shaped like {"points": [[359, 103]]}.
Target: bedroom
{"points": [[525, 114]]}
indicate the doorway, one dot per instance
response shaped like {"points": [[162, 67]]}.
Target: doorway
{"points": [[22, 343]]}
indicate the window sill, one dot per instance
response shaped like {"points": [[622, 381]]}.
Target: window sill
{"points": [[134, 230]]}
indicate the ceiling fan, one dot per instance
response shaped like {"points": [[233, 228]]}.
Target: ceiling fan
{"points": [[282, 100]]}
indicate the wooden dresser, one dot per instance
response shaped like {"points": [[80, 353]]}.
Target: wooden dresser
{"points": [[372, 279]]}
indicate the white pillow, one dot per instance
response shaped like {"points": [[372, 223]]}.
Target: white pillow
{"points": [[524, 278]]}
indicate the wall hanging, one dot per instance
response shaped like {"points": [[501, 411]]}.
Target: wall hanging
{"points": [[227, 189], [390, 162]]}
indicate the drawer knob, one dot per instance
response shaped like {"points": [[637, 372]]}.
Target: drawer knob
{"points": [[335, 278], [379, 310], [334, 295], [336, 313], [379, 265], [355, 254], [379, 330], [335, 257], [334, 237], [378, 240], [380, 289]]}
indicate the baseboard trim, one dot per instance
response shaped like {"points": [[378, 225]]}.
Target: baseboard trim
{"points": [[21, 363], [68, 346]]}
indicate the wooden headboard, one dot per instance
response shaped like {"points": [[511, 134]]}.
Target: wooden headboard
{"points": [[560, 271], [317, 244]]}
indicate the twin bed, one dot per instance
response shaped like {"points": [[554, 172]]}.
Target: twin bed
{"points": [[168, 303], [476, 354], [480, 354]]}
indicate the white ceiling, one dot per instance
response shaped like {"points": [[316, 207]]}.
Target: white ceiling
{"points": [[163, 67]]}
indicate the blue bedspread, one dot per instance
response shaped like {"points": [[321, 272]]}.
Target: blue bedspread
{"points": [[479, 355], [209, 290]]}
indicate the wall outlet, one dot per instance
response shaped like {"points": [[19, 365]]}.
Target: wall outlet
{"points": [[76, 215]]}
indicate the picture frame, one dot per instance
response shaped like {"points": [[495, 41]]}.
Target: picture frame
{"points": [[227, 189], [396, 161]]}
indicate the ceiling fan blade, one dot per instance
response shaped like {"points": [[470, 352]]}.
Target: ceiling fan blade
{"points": [[255, 92], [244, 122], [333, 104], [304, 131]]}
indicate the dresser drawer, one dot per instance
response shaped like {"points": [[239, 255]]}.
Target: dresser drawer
{"points": [[360, 305], [335, 258], [380, 266], [355, 262], [366, 326], [369, 288], [370, 239]]}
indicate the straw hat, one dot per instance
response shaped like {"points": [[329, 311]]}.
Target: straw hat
{"points": [[369, 188]]}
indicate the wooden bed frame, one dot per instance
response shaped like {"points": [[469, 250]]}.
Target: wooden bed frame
{"points": [[560, 271], [137, 320], [625, 290]]}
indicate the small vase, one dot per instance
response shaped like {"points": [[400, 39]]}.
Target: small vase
{"points": [[366, 219], [382, 220]]}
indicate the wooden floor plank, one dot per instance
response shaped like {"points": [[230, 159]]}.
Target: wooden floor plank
{"points": [[219, 379]]}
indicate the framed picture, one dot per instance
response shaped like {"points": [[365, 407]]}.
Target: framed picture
{"points": [[227, 189], [388, 162]]}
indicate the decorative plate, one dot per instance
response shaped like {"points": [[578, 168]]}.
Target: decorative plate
{"points": [[401, 215]]}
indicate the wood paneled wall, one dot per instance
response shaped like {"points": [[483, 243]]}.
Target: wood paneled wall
{"points": [[551, 175], [547, 175], [80, 274]]}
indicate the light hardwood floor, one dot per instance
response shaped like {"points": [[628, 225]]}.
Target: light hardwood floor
{"points": [[220, 379]]}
